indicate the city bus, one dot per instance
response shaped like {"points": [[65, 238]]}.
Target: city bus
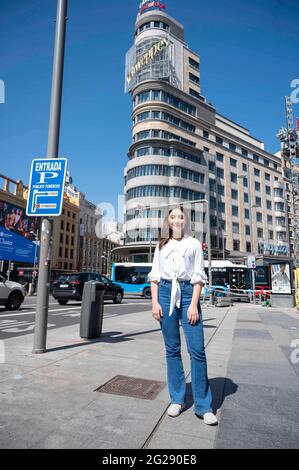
{"points": [[225, 276], [132, 277]]}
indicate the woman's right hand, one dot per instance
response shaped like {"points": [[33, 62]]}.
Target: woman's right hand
{"points": [[157, 311]]}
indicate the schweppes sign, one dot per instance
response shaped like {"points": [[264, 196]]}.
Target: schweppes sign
{"points": [[147, 58]]}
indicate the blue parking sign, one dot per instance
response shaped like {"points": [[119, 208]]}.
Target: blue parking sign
{"points": [[46, 187]]}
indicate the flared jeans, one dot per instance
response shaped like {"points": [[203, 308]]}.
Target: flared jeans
{"points": [[194, 334]]}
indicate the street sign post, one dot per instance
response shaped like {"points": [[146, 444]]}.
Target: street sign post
{"points": [[251, 263], [47, 179], [43, 286]]}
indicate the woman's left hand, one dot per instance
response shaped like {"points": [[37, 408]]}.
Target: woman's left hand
{"points": [[193, 314]]}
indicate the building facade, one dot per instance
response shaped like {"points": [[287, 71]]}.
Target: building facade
{"points": [[183, 150]]}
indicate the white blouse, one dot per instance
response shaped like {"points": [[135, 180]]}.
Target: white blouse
{"points": [[178, 260]]}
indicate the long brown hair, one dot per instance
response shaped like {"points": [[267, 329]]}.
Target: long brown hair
{"points": [[167, 229]]}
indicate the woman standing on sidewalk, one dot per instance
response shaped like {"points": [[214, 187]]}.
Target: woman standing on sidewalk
{"points": [[177, 278]]}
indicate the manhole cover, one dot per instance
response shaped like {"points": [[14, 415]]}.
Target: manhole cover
{"points": [[132, 387]]}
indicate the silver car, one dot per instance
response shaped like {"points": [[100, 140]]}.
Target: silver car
{"points": [[12, 294]]}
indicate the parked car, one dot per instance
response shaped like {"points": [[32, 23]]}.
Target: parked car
{"points": [[12, 294], [71, 287]]}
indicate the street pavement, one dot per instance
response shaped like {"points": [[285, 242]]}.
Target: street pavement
{"points": [[49, 400]]}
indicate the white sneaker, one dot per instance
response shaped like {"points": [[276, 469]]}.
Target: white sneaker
{"points": [[210, 419], [175, 410]]}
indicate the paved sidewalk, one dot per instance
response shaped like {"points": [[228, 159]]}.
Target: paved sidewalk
{"points": [[48, 400]]}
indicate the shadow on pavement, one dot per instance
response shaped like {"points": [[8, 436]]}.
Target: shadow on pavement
{"points": [[221, 388], [110, 337]]}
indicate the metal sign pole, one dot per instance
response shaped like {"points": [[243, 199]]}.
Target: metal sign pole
{"points": [[40, 332]]}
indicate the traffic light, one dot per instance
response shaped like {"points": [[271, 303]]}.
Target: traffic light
{"points": [[204, 249]]}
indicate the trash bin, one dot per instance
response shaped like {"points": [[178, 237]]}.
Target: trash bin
{"points": [[92, 310]]}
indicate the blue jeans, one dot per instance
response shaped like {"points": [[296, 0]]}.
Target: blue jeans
{"points": [[195, 343]]}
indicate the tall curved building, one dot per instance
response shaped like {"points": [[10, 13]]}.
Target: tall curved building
{"points": [[183, 151]]}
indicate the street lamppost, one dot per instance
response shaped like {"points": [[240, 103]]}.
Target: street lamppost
{"points": [[223, 244], [33, 278], [251, 206]]}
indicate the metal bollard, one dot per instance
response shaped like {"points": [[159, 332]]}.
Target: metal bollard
{"points": [[92, 310]]}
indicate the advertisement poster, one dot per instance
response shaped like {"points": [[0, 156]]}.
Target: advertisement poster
{"points": [[17, 234], [280, 278]]}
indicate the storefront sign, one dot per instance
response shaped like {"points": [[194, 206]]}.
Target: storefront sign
{"points": [[273, 249], [147, 57], [146, 5], [251, 262]]}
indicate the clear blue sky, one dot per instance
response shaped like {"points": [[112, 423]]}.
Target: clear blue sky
{"points": [[249, 55]]}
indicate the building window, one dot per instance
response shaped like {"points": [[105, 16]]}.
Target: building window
{"points": [[62, 224], [266, 162], [268, 190], [219, 140], [246, 198], [246, 212], [212, 185], [279, 206], [220, 172], [212, 202], [221, 207], [248, 247], [193, 78], [212, 167], [206, 149], [247, 229], [244, 152], [278, 192], [233, 177], [269, 205], [232, 147], [193, 63], [270, 234], [244, 166], [60, 251], [205, 134], [219, 157], [256, 172], [245, 182], [234, 194], [259, 217], [236, 228], [220, 190], [258, 201], [260, 233], [269, 219], [233, 162], [236, 245], [235, 210], [256, 158], [257, 186], [267, 177], [194, 93]]}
